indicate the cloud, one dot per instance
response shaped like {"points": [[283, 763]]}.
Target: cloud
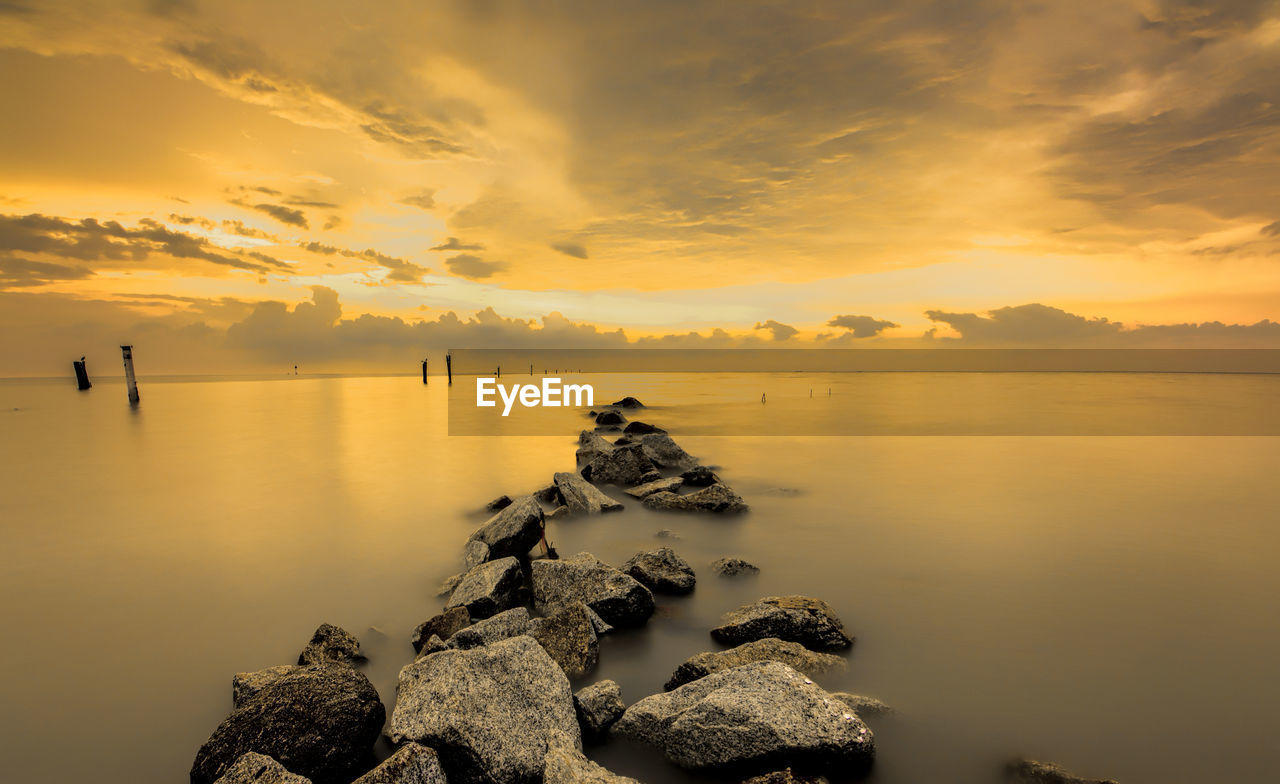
{"points": [[570, 249], [16, 273], [1025, 323], [401, 270], [861, 326], [424, 199], [468, 266], [238, 228], [1272, 229], [286, 215], [453, 243], [780, 331]]}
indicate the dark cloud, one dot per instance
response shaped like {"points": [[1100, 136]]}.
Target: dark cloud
{"points": [[414, 136], [188, 220], [779, 330], [466, 265], [1272, 229], [1025, 323], [286, 215], [861, 326], [401, 270], [238, 228], [453, 243], [425, 199], [570, 249], [17, 273]]}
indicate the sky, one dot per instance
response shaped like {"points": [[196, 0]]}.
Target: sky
{"points": [[240, 186]]}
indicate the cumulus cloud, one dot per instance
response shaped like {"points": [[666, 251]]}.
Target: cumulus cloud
{"points": [[573, 249], [468, 266], [861, 326], [1024, 323], [778, 330]]}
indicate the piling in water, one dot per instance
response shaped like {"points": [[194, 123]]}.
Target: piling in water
{"points": [[129, 378], [82, 375], [424, 371], [448, 366]]}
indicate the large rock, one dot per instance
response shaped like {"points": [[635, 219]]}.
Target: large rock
{"points": [[665, 452], [331, 645], [716, 498], [444, 626], [569, 637], [566, 764], [662, 571], [1032, 772], [803, 619], [411, 764], [668, 485], [752, 718], [504, 625], [474, 553], [254, 768], [792, 654], [246, 684], [699, 476], [599, 706], [624, 466], [514, 530], [732, 567], [488, 712], [320, 722], [608, 418], [583, 498], [628, 402], [490, 588], [590, 446], [618, 598], [641, 428]]}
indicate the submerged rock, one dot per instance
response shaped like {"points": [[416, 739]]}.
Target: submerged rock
{"points": [[667, 533], [549, 495], [624, 466], [732, 567], [666, 453], [716, 498], [566, 764], [792, 654], [699, 476], [628, 402], [753, 717], [490, 588], [803, 619], [618, 598], [514, 530], [511, 623], [591, 446], [488, 712], [599, 706], [411, 764], [498, 504], [246, 684], [641, 428], [254, 768], [582, 497], [605, 418], [569, 637], [1032, 772], [320, 722], [863, 706], [444, 625], [661, 570], [668, 485], [331, 645], [563, 511], [785, 777]]}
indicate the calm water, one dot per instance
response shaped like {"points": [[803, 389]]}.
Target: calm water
{"points": [[1103, 602]]}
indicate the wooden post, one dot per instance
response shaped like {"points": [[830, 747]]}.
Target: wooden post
{"points": [[424, 371], [129, 378], [82, 375], [531, 368], [448, 366]]}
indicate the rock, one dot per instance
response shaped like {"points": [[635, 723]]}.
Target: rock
{"points": [[254, 768], [803, 619], [590, 446], [569, 637], [502, 626], [1032, 772], [490, 588], [662, 571], [599, 706], [433, 645], [488, 712], [498, 504], [785, 777], [641, 428], [716, 498], [581, 497], [448, 584], [792, 654], [444, 625], [319, 722], [411, 764], [246, 684], [699, 476], [331, 645], [549, 495], [563, 511], [605, 418], [514, 530], [863, 706], [667, 533], [628, 402], [565, 764], [668, 485], [618, 598], [474, 553], [624, 466], [753, 717], [732, 567], [667, 453], [598, 623]]}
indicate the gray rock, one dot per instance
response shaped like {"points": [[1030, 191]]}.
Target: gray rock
{"points": [[699, 476], [792, 654], [320, 722], [488, 712], [514, 530], [863, 706], [662, 571], [605, 418], [433, 645], [490, 588], [628, 402], [411, 764], [581, 497], [599, 706], [444, 626], [1032, 772], [668, 485], [598, 623], [569, 637], [754, 717], [331, 645], [618, 598], [565, 764], [563, 511], [474, 553], [732, 567], [665, 452], [246, 684], [624, 466], [716, 498], [549, 495], [254, 768], [448, 584], [667, 533], [504, 625], [641, 428], [591, 446], [498, 504], [786, 777], [803, 619]]}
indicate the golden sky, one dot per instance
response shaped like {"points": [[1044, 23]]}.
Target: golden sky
{"points": [[240, 183]]}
